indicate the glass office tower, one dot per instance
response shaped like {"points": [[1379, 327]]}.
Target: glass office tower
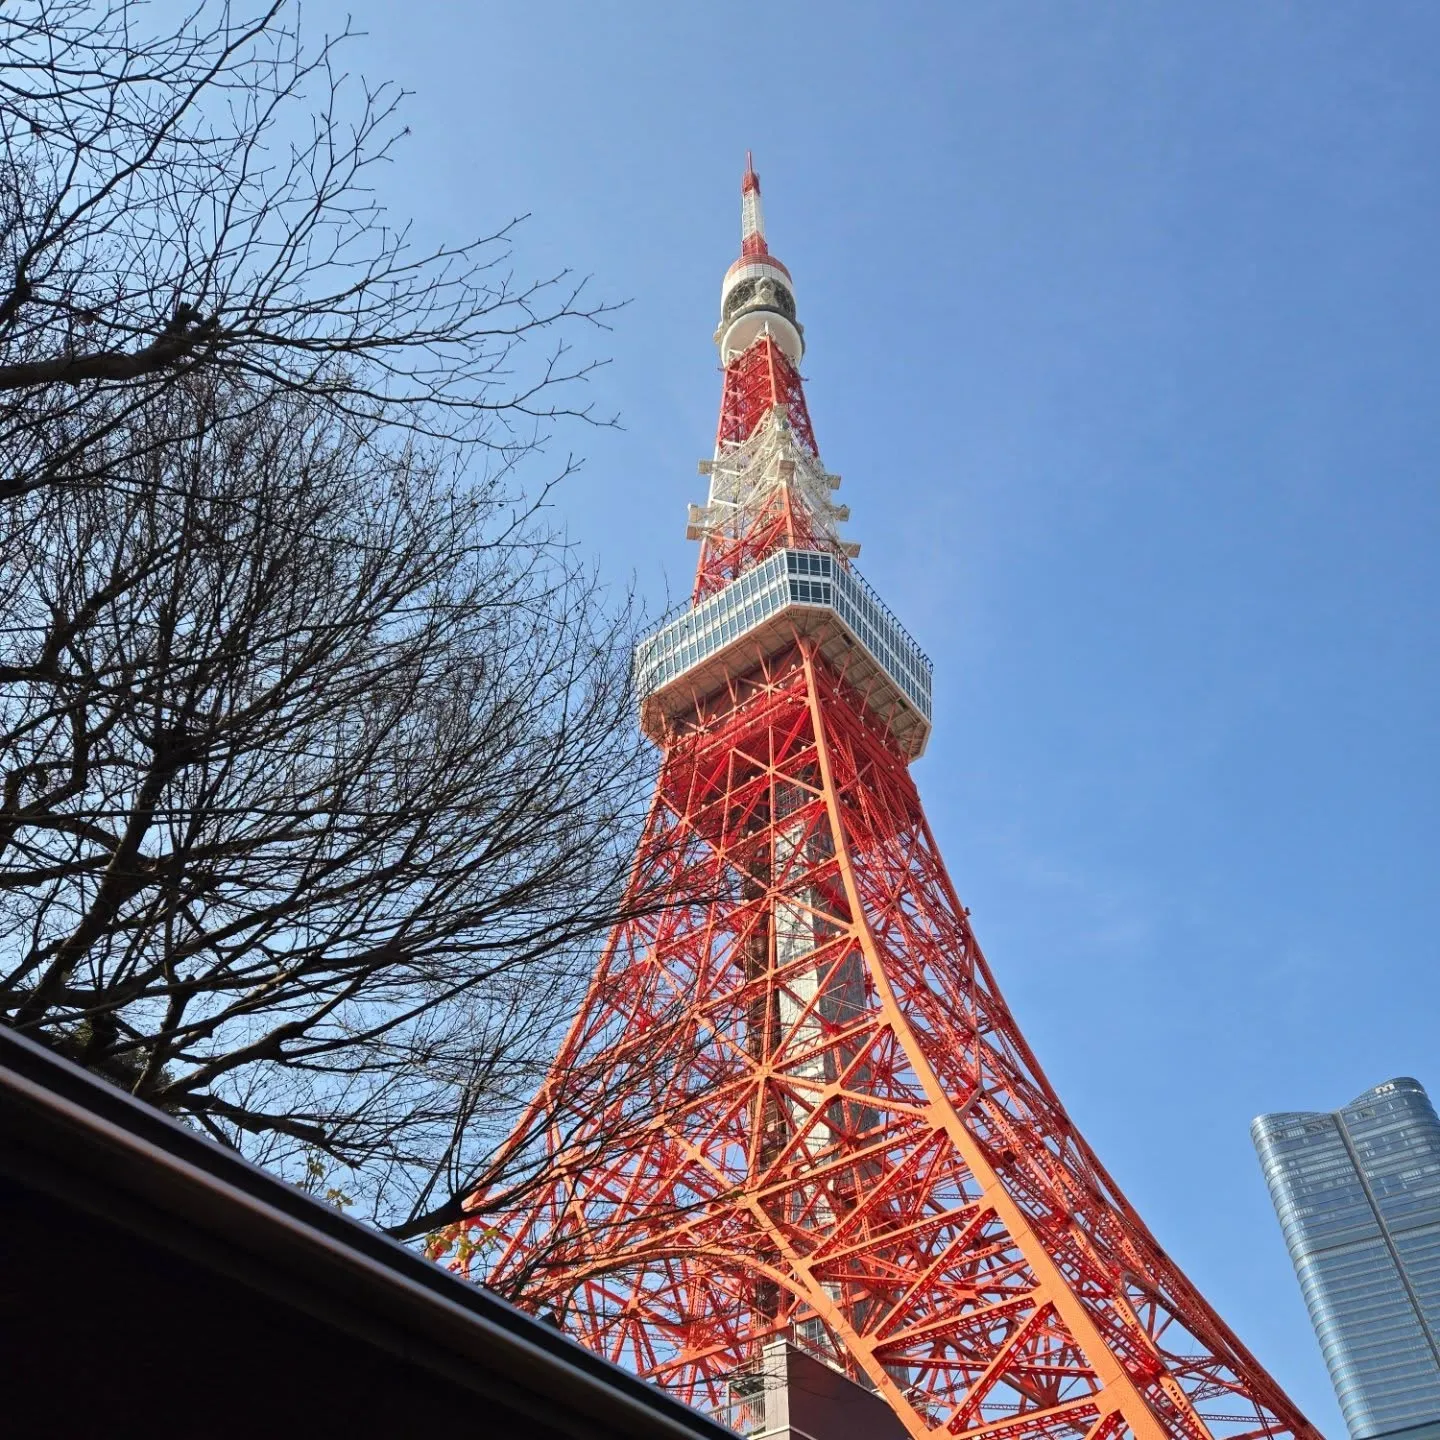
{"points": [[1358, 1195]]}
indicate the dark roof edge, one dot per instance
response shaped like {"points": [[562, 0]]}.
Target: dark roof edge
{"points": [[92, 1127]]}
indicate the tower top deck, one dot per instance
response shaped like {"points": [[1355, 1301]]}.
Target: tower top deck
{"points": [[757, 295]]}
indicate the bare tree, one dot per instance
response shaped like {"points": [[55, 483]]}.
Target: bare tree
{"points": [[202, 197], [318, 771], [318, 778]]}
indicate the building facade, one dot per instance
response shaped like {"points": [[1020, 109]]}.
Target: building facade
{"points": [[1357, 1191]]}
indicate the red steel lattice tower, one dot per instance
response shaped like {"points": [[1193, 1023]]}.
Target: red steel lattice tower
{"points": [[840, 1136]]}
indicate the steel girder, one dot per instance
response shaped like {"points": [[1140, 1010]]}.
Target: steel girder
{"points": [[827, 1126]]}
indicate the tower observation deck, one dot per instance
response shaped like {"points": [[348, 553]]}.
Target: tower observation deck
{"points": [[794, 1105]]}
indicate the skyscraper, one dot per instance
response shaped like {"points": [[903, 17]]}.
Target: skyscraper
{"points": [[1358, 1195]]}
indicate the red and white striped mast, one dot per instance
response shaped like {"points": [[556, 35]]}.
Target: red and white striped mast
{"points": [[768, 488]]}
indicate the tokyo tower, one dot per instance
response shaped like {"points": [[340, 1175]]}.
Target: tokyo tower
{"points": [[817, 1119]]}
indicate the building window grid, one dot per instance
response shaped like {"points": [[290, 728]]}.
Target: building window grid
{"points": [[1371, 1321]]}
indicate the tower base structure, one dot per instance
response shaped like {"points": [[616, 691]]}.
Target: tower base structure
{"points": [[790, 1395]]}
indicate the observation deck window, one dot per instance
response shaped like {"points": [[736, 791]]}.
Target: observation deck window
{"points": [[802, 581]]}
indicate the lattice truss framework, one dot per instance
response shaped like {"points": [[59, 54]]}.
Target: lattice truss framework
{"points": [[768, 488], [823, 1122], [853, 1146]]}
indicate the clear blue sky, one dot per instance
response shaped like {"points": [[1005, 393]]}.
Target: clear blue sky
{"points": [[1123, 332]]}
